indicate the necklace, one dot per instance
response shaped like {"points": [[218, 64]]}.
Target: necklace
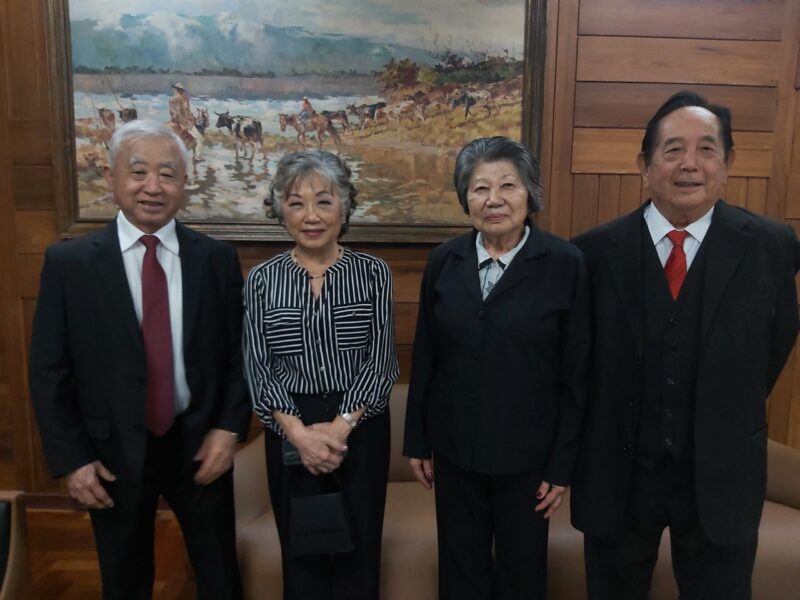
{"points": [[339, 253]]}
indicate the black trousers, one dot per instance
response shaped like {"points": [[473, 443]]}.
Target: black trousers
{"points": [[476, 513], [124, 535], [362, 478], [621, 567]]}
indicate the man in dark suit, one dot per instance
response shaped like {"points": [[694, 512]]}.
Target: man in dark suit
{"points": [[136, 375], [694, 315]]}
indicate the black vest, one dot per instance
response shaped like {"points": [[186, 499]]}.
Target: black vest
{"points": [[671, 330]]}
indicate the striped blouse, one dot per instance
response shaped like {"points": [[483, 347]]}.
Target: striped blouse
{"points": [[342, 341]]}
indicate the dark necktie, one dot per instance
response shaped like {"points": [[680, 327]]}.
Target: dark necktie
{"points": [[675, 267], [157, 341]]}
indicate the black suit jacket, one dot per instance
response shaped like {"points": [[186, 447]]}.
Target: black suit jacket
{"points": [[749, 322], [88, 375], [498, 386]]}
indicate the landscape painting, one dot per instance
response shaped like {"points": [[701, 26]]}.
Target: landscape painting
{"points": [[396, 88]]}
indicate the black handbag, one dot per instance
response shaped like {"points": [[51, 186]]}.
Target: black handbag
{"points": [[319, 522]]}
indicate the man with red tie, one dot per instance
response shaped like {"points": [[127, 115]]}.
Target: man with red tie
{"points": [[694, 315], [136, 374]]}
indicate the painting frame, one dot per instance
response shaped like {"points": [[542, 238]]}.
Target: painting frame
{"points": [[70, 224]]}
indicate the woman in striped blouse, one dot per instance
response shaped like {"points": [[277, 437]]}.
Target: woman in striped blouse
{"points": [[320, 362]]}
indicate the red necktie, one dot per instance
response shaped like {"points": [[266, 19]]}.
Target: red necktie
{"points": [[675, 267], [157, 341]]}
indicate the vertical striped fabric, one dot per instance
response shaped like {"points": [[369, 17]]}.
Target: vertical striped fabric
{"points": [[342, 341]]}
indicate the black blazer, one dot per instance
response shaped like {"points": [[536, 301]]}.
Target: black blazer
{"points": [[88, 375], [749, 322], [498, 386]]}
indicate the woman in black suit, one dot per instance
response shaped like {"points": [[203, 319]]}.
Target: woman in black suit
{"points": [[498, 379]]}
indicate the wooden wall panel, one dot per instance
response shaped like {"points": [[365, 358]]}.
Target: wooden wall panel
{"points": [[33, 187], [584, 203], [615, 151], [757, 195], [624, 105], [712, 19], [736, 192], [678, 60], [608, 198], [25, 60]]}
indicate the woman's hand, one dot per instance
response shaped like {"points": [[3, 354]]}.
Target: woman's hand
{"points": [[423, 471], [320, 451], [551, 497]]}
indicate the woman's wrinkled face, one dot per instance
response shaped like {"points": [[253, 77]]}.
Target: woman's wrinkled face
{"points": [[313, 213], [497, 199]]}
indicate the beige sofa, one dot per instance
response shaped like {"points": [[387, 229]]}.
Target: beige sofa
{"points": [[408, 570]]}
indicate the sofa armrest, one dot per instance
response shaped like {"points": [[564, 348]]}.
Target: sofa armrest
{"points": [[783, 474], [251, 496], [16, 581]]}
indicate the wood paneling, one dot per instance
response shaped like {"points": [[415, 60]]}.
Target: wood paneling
{"points": [[608, 198], [25, 60], [615, 151], [584, 203], [793, 197], [736, 192], [678, 60], [559, 202], [34, 230], [624, 105], [713, 19], [32, 187], [29, 142], [757, 195]]}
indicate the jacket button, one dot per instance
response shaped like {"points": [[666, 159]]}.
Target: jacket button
{"points": [[481, 313], [626, 448], [670, 381]]}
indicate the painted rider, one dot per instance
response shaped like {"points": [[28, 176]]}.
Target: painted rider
{"points": [[180, 114], [306, 110]]}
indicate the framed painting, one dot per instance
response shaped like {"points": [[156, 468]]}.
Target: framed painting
{"points": [[395, 88]]}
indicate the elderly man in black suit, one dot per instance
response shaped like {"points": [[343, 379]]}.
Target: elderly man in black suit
{"points": [[695, 313], [136, 374]]}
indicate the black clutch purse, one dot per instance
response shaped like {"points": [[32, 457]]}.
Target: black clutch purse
{"points": [[319, 524]]}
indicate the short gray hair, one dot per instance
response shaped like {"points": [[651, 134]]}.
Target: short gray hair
{"points": [[296, 165], [140, 129], [493, 149]]}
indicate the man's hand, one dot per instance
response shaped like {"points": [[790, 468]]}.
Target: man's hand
{"points": [[83, 485], [551, 497], [423, 471], [215, 455]]}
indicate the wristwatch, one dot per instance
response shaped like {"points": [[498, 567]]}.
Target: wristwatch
{"points": [[350, 420]]}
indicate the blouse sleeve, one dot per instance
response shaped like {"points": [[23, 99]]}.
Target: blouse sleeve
{"points": [[267, 393], [373, 383]]}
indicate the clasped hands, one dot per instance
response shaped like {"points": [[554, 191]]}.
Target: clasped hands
{"points": [[322, 446]]}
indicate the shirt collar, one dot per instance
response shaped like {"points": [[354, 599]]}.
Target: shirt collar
{"points": [[129, 235], [659, 226], [506, 258]]}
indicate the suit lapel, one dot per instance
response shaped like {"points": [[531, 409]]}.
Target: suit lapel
{"points": [[467, 270], [107, 260], [192, 261], [727, 245], [521, 267], [624, 259]]}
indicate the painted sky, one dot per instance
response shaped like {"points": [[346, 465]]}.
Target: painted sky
{"points": [[463, 25]]}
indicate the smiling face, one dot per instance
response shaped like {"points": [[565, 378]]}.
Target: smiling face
{"points": [[688, 170], [498, 200], [313, 214], [147, 181]]}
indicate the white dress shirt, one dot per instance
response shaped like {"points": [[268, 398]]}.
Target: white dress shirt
{"points": [[659, 227], [489, 270], [168, 254]]}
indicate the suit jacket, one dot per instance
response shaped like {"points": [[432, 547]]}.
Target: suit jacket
{"points": [[88, 375], [498, 386], [748, 324]]}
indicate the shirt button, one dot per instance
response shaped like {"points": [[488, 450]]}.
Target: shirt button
{"points": [[318, 341], [322, 369]]}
